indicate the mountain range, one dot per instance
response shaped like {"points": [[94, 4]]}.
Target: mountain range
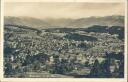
{"points": [[114, 20]]}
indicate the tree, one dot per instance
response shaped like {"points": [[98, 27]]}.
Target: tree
{"points": [[95, 69], [18, 69], [121, 69], [87, 63], [105, 66], [8, 69], [36, 65], [105, 69], [63, 66]]}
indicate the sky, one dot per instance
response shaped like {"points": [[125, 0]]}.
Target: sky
{"points": [[62, 10]]}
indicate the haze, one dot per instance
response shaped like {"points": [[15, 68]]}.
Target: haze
{"points": [[62, 10]]}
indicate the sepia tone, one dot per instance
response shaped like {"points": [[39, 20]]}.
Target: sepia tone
{"points": [[63, 40]]}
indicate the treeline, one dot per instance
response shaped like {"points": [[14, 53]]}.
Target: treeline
{"points": [[23, 27], [78, 37], [62, 30], [105, 29], [95, 28], [104, 70]]}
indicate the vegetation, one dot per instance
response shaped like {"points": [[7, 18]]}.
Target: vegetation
{"points": [[74, 53], [103, 70], [105, 29], [78, 37]]}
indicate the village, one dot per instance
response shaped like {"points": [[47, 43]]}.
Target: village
{"points": [[30, 52]]}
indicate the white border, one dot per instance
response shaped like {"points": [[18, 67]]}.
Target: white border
{"points": [[126, 38], [1, 40], [111, 1], [60, 79]]}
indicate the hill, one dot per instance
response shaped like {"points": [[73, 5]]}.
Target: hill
{"points": [[66, 23]]}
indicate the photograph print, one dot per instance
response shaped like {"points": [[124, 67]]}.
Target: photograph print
{"points": [[63, 40]]}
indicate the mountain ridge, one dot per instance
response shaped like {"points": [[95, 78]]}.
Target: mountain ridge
{"points": [[65, 22]]}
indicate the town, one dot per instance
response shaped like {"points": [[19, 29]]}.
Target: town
{"points": [[41, 53]]}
